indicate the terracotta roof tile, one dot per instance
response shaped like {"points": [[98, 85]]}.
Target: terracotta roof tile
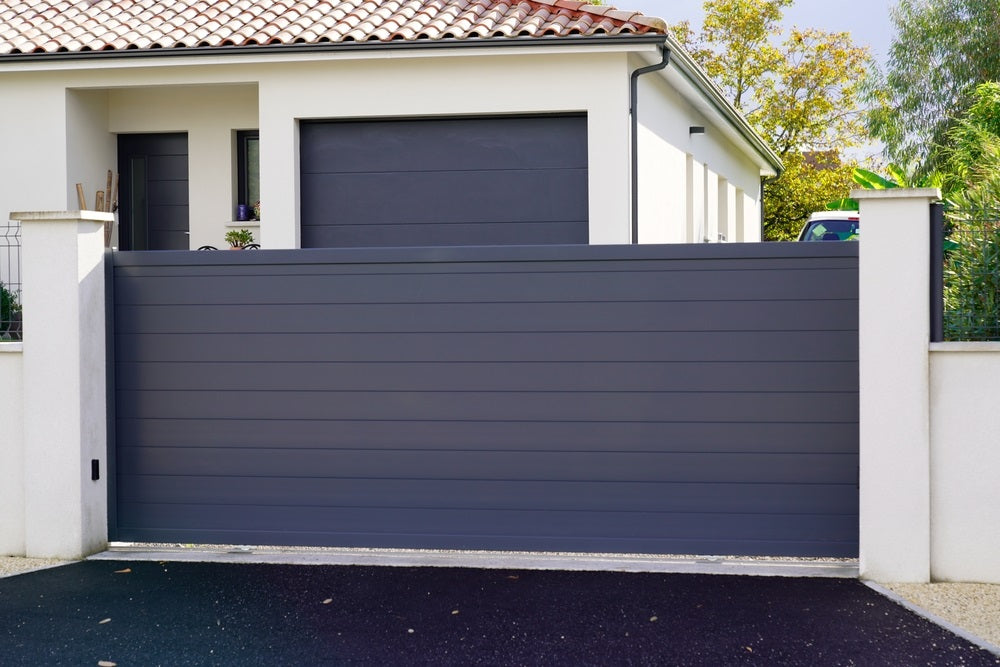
{"points": [[48, 26]]}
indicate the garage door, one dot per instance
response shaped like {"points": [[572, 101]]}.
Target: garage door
{"points": [[673, 399], [468, 181]]}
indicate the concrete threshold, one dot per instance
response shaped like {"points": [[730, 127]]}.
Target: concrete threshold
{"points": [[525, 560]]}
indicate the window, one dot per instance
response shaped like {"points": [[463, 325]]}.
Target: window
{"points": [[248, 167]]}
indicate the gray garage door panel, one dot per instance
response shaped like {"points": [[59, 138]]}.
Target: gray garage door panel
{"points": [[649, 399], [464, 234], [416, 200], [467, 144], [444, 182]]}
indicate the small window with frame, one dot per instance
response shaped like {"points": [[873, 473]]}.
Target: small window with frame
{"points": [[248, 169]]}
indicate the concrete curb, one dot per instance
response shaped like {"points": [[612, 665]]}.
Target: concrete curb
{"points": [[489, 560]]}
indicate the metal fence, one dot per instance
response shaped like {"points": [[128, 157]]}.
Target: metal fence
{"points": [[970, 249], [10, 281]]}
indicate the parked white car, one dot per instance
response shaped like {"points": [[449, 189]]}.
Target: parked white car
{"points": [[831, 226]]}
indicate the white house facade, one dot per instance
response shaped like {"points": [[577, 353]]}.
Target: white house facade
{"points": [[78, 81]]}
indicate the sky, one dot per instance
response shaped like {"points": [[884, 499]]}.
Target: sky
{"points": [[866, 20]]}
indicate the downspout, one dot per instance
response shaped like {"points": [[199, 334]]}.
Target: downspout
{"points": [[763, 182], [633, 112]]}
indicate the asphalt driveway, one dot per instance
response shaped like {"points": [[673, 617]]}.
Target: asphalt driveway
{"points": [[150, 613]]}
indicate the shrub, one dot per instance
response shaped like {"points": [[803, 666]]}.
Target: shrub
{"points": [[10, 315]]}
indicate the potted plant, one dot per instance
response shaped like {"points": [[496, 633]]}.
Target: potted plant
{"points": [[239, 239]]}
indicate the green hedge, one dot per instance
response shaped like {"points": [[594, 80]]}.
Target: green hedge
{"points": [[10, 315]]}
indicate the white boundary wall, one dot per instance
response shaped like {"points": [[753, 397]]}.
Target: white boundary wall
{"points": [[11, 449], [965, 461]]}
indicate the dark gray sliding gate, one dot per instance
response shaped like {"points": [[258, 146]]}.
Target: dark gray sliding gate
{"points": [[660, 399]]}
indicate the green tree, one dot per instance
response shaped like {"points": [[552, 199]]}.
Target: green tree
{"points": [[972, 258], [941, 51], [969, 158], [808, 182], [969, 168], [735, 47], [800, 92]]}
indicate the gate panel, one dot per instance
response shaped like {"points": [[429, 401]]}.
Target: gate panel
{"points": [[658, 399]]}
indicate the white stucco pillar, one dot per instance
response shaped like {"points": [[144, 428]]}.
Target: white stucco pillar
{"points": [[894, 336], [65, 427], [280, 224]]}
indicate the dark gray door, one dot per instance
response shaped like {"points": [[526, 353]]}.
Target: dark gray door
{"points": [[467, 181], [153, 195], [670, 399]]}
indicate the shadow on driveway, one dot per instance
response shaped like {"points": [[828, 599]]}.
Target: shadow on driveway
{"points": [[149, 613]]}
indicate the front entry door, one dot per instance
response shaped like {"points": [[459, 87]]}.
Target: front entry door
{"points": [[153, 196]]}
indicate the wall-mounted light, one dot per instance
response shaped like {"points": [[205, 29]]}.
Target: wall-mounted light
{"points": [[696, 129]]}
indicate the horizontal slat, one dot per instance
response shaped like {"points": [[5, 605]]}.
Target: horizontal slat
{"points": [[473, 523], [540, 466], [544, 495], [801, 315], [817, 376], [760, 285], [463, 261], [482, 347], [491, 406], [702, 257], [685, 436]]}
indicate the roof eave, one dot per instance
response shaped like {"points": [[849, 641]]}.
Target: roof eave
{"points": [[325, 47]]}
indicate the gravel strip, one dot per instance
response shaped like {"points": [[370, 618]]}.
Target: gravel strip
{"points": [[973, 607], [11, 565]]}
